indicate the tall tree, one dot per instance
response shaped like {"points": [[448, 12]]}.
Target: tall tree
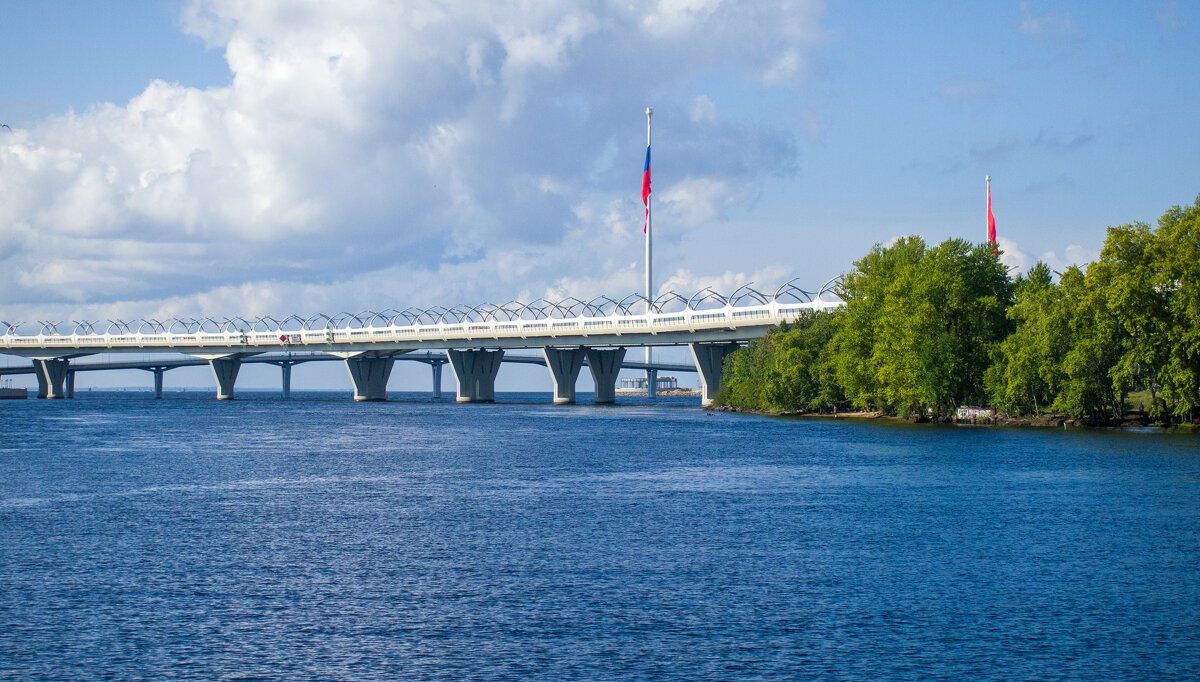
{"points": [[1026, 374], [1096, 347], [1128, 302], [1176, 251], [867, 289]]}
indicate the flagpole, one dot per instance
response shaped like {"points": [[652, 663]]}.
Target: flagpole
{"points": [[651, 375], [991, 219]]}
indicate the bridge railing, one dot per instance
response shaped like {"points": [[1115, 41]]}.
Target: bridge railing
{"points": [[729, 316]]}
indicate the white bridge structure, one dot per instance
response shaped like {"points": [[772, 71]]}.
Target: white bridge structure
{"points": [[569, 333]]}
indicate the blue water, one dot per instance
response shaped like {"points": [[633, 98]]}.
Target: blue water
{"points": [[323, 539]]}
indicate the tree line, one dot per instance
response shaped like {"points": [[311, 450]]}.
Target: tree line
{"points": [[926, 330]]}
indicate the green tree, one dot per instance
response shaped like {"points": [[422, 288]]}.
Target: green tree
{"points": [[867, 289], [1129, 305], [787, 370], [1176, 251], [743, 378], [920, 326], [1026, 374], [799, 376], [925, 330], [1095, 347]]}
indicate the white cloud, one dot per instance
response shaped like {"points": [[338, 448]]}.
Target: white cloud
{"points": [[1073, 254], [365, 153], [1048, 24], [693, 202], [1167, 15], [675, 17], [1012, 256], [764, 280], [704, 110], [1020, 261], [788, 68]]}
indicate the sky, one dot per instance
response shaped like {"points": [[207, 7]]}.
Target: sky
{"points": [[221, 158]]}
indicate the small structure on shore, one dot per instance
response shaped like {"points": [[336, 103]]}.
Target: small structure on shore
{"points": [[974, 414], [639, 383]]}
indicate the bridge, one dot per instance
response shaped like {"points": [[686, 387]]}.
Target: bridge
{"points": [[569, 333]]}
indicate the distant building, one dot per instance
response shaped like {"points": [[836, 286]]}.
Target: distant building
{"points": [[640, 383]]}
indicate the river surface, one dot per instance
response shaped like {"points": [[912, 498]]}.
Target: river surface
{"points": [[322, 539]]}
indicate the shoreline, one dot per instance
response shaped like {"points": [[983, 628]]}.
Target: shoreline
{"points": [[1041, 422]]}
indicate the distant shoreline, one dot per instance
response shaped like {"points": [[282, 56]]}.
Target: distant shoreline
{"points": [[675, 392]]}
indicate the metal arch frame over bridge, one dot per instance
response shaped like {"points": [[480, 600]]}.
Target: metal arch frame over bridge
{"points": [[569, 332]]}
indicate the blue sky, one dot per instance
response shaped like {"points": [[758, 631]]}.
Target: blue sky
{"points": [[220, 157]]}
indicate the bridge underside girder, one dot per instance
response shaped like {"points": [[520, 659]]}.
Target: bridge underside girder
{"points": [[598, 340]]}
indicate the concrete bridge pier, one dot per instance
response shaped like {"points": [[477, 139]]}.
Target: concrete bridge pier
{"points": [[564, 365], [51, 374], [158, 379], [605, 365], [70, 390], [710, 360], [285, 379], [225, 371], [370, 375], [475, 371], [437, 378]]}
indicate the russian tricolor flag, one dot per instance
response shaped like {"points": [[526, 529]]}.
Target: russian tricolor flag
{"points": [[991, 222], [646, 190]]}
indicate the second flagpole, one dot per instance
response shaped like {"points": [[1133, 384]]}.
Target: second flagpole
{"points": [[651, 375]]}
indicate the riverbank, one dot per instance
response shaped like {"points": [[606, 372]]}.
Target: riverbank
{"points": [[805, 415], [1038, 422]]}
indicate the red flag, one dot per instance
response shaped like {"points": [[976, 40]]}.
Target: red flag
{"points": [[646, 189], [991, 218]]}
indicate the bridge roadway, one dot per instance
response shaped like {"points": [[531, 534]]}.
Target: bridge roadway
{"points": [[569, 334]]}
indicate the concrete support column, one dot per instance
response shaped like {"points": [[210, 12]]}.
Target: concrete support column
{"points": [[564, 365], [51, 373], [475, 371], [437, 378], [70, 390], [710, 360], [370, 376], [225, 371], [652, 383], [158, 381], [605, 366], [285, 389]]}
